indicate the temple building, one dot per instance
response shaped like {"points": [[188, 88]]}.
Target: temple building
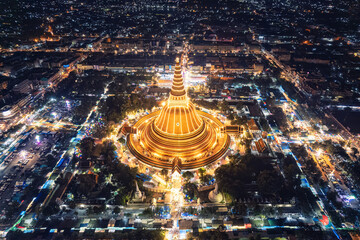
{"points": [[178, 136]]}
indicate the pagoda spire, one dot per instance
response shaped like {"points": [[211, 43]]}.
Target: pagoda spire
{"points": [[178, 116], [178, 88]]}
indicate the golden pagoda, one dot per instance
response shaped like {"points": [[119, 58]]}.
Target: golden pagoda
{"points": [[178, 136]]}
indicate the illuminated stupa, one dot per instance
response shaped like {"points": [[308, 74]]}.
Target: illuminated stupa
{"points": [[178, 136]]}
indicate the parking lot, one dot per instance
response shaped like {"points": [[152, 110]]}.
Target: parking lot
{"points": [[29, 160]]}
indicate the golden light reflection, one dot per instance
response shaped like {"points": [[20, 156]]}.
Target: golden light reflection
{"points": [[178, 130]]}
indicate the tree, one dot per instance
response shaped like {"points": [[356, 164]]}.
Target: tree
{"points": [[299, 150], [102, 207], [147, 213], [213, 235], [263, 81], [164, 172], [206, 104], [51, 209], [102, 130], [231, 179], [354, 151], [108, 151], [354, 169], [80, 112], [277, 72], [121, 199], [239, 209], [96, 210], [122, 140], [50, 159], [351, 214], [12, 209], [124, 176], [269, 182], [87, 146], [18, 234], [89, 211], [291, 171], [190, 190], [201, 171], [257, 237], [291, 174], [116, 210], [264, 124], [188, 175], [106, 191], [86, 183], [280, 117], [72, 205], [113, 108], [205, 179], [231, 117], [333, 197], [239, 105], [239, 120], [223, 106]]}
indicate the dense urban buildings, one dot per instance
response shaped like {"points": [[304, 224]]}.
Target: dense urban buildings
{"points": [[179, 119]]}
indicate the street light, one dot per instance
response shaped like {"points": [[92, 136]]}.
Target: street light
{"points": [[23, 154], [37, 138], [67, 103], [319, 152]]}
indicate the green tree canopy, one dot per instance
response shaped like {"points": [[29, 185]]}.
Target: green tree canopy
{"points": [[87, 146], [269, 182]]}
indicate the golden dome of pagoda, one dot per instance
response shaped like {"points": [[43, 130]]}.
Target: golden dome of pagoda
{"points": [[179, 115], [178, 131]]}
